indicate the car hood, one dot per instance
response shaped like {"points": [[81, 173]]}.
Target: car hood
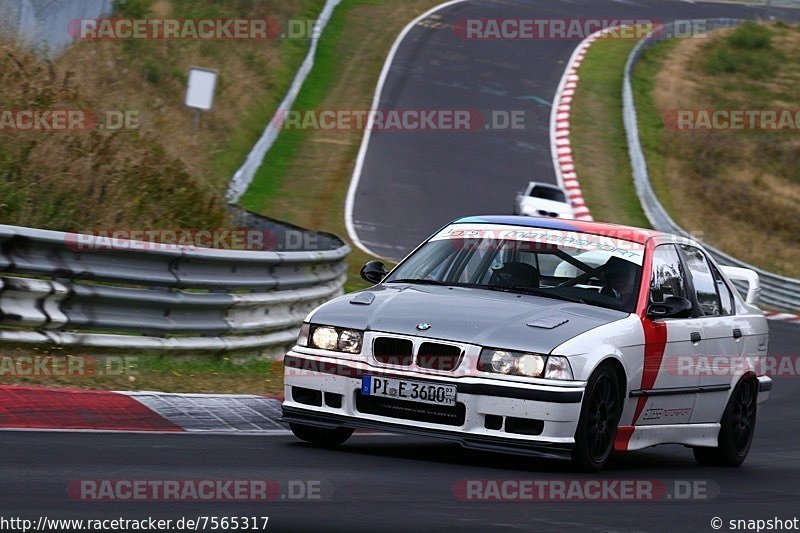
{"points": [[475, 316]]}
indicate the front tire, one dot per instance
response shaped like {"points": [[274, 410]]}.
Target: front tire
{"points": [[321, 437], [736, 428], [597, 425]]}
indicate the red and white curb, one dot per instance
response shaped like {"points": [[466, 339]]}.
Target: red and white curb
{"points": [[563, 163], [783, 317], [44, 408]]}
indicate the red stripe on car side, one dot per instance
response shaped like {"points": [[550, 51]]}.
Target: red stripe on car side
{"points": [[623, 437], [655, 343]]}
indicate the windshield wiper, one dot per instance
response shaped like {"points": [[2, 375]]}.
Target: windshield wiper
{"points": [[525, 290], [534, 291], [416, 281]]}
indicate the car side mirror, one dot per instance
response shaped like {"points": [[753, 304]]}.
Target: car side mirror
{"points": [[671, 307], [374, 272]]}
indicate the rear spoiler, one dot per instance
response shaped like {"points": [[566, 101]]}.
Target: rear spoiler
{"points": [[747, 275]]}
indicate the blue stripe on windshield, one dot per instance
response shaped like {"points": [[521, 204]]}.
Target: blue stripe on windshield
{"points": [[557, 224]]}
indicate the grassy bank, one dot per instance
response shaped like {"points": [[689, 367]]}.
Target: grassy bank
{"points": [[598, 136], [305, 176], [109, 370], [158, 173], [739, 188], [314, 182]]}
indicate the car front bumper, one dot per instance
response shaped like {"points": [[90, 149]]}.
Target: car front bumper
{"points": [[326, 392], [764, 388]]}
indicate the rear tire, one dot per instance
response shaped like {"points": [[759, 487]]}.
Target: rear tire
{"points": [[321, 437], [736, 428], [597, 425]]}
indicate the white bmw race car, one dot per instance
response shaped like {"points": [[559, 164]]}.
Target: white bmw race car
{"points": [[539, 336], [543, 200]]}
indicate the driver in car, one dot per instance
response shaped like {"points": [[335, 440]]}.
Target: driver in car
{"points": [[620, 277]]}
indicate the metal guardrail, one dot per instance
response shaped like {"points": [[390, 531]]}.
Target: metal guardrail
{"points": [[777, 291], [135, 296], [44, 24]]}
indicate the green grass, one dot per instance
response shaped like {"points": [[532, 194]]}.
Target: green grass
{"points": [[228, 158], [165, 372], [650, 122], [322, 77], [598, 136], [748, 51], [293, 52], [696, 173]]}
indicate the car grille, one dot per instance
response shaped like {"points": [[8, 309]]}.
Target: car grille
{"points": [[434, 414], [430, 355], [435, 356], [393, 351]]}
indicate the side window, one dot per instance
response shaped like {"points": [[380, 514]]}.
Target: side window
{"points": [[725, 294], [668, 277], [705, 285]]}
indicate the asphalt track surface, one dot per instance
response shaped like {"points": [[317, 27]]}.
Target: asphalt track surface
{"points": [[413, 182], [391, 483]]}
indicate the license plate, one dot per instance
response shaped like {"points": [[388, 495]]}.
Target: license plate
{"points": [[412, 391]]}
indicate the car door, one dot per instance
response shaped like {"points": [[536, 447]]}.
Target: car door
{"points": [[720, 349], [670, 399]]}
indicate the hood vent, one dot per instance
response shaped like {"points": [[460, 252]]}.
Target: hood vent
{"points": [[363, 298], [547, 322]]}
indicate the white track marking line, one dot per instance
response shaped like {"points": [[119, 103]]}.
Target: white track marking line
{"points": [[362, 152]]}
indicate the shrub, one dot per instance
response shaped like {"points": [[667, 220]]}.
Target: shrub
{"points": [[751, 36]]}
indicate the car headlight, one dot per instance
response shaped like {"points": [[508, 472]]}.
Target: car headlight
{"points": [[524, 364], [529, 364], [502, 362], [324, 338], [336, 339], [349, 341]]}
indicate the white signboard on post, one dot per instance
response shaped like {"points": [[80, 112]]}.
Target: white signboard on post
{"points": [[200, 91]]}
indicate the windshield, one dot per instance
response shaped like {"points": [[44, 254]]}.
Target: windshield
{"points": [[548, 193], [592, 269]]}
